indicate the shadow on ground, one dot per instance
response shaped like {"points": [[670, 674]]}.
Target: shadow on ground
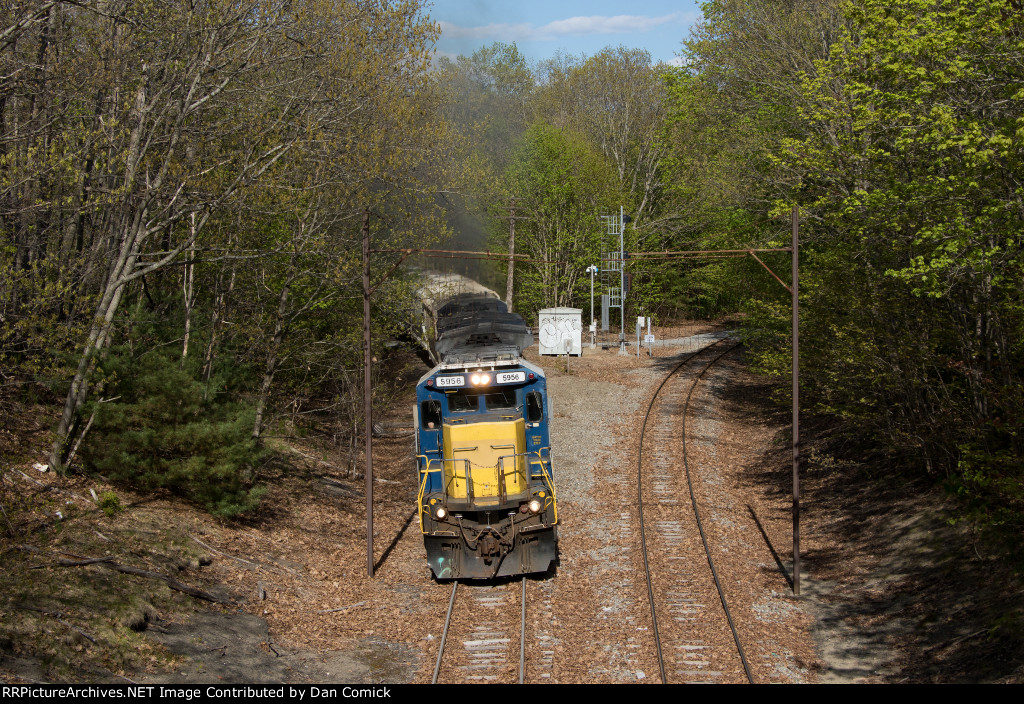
{"points": [[899, 593], [222, 647]]}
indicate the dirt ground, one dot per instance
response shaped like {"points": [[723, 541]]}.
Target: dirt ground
{"points": [[891, 592]]}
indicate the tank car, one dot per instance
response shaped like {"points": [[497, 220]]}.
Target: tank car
{"points": [[487, 504]]}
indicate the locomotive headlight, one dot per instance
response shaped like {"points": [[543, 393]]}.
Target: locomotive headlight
{"points": [[485, 379], [440, 512], [534, 505], [475, 379]]}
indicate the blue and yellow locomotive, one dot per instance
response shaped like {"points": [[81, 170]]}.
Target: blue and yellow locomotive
{"points": [[486, 494]]}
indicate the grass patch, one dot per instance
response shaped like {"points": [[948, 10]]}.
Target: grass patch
{"points": [[86, 623]]}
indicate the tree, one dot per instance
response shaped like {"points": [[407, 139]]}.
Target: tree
{"points": [[563, 186], [175, 73], [909, 174], [489, 97], [616, 99]]}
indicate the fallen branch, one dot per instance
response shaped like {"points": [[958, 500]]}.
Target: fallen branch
{"points": [[342, 608], [10, 526], [380, 431], [223, 554], [171, 582], [79, 563], [311, 457], [108, 561], [116, 675], [961, 639], [51, 487]]}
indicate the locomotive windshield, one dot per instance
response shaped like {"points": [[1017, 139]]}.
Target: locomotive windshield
{"points": [[494, 399], [499, 398]]}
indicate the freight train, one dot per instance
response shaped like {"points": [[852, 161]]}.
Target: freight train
{"points": [[487, 504]]}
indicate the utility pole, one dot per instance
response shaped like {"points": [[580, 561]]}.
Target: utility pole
{"points": [[592, 269], [367, 398], [796, 400], [622, 280], [511, 252]]}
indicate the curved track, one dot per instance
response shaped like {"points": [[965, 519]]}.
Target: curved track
{"points": [[693, 658]]}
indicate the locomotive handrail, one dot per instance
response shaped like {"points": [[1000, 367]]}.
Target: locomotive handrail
{"points": [[424, 473], [552, 501], [505, 473], [436, 465], [427, 471], [542, 463], [455, 477]]}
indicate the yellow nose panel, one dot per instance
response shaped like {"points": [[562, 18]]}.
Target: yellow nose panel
{"points": [[488, 453]]}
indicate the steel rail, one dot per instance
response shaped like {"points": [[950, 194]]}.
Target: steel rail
{"points": [[522, 636], [640, 508], [444, 634], [707, 551], [700, 524]]}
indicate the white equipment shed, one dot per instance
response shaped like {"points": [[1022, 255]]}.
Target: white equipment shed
{"points": [[560, 331]]}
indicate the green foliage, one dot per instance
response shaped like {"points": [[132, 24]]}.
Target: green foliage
{"points": [[909, 173], [165, 431], [109, 503], [37, 339], [898, 126], [562, 185]]}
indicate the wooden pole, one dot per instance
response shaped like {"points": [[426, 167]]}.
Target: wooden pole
{"points": [[367, 397], [511, 252], [796, 403]]}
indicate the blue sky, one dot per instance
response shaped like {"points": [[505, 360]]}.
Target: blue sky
{"points": [[540, 28]]}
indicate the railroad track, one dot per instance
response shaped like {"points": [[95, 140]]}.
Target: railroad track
{"points": [[483, 642], [688, 626]]}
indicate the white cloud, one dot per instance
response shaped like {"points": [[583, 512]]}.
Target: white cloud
{"points": [[573, 26], [597, 24], [513, 32]]}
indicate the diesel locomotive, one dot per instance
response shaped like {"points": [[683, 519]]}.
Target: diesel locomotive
{"points": [[487, 504]]}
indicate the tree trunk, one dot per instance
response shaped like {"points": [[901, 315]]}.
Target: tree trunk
{"points": [[270, 365], [187, 289]]}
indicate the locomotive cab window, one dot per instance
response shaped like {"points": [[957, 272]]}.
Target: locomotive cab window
{"points": [[534, 407], [463, 401], [430, 414], [499, 399], [494, 399]]}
